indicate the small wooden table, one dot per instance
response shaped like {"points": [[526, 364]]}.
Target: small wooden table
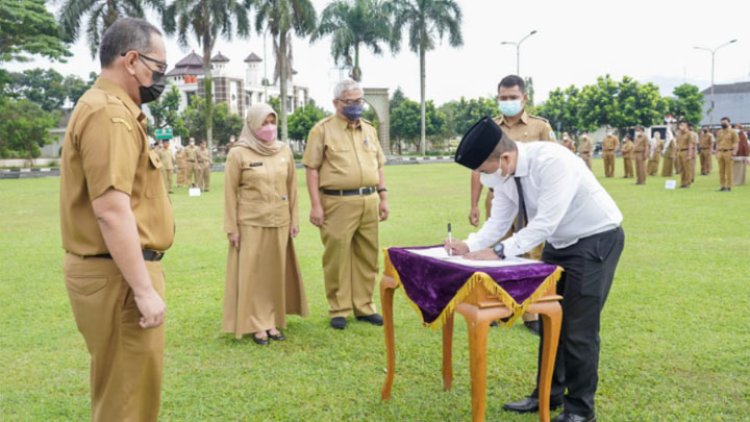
{"points": [[479, 308]]}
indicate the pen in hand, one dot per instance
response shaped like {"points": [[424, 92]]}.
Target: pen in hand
{"points": [[450, 240]]}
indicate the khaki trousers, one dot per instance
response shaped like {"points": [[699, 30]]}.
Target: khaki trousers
{"points": [[205, 177], [687, 166], [628, 164], [182, 175], [126, 360], [667, 166], [609, 164], [725, 168], [706, 164], [166, 174], [653, 165], [350, 259], [640, 169], [193, 174]]}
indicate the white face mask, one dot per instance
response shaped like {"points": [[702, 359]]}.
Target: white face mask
{"points": [[510, 107]]}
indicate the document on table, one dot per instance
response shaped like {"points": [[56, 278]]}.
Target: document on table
{"points": [[440, 253]]}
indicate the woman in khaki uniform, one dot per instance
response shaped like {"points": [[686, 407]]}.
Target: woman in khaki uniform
{"points": [[263, 281], [585, 150], [627, 157], [655, 154]]}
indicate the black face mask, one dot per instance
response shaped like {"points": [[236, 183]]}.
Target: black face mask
{"points": [[151, 93], [725, 126]]}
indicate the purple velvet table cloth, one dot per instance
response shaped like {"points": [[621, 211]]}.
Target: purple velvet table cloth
{"points": [[436, 286]]}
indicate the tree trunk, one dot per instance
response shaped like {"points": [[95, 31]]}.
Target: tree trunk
{"points": [[422, 72], [281, 57], [207, 86], [356, 71]]}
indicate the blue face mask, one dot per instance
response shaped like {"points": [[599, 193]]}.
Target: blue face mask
{"points": [[353, 111], [510, 107]]}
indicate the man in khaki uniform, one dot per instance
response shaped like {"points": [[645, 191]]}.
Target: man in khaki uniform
{"points": [[193, 168], [609, 146], [521, 127], [585, 150], [116, 222], [167, 161], [685, 153], [707, 143], [204, 164], [344, 168], [181, 162], [518, 125], [726, 147], [640, 153], [627, 156]]}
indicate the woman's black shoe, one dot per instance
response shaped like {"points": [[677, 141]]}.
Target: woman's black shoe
{"points": [[261, 341], [277, 337]]}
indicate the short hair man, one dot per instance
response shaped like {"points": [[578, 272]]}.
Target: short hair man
{"points": [[344, 168], [726, 146], [116, 223], [566, 207], [523, 127]]}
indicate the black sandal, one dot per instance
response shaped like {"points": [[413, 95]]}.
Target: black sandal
{"points": [[276, 337]]}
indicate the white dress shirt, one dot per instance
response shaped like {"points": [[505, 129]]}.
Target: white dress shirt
{"points": [[564, 201]]}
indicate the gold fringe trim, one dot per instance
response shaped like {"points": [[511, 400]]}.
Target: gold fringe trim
{"points": [[485, 280]]}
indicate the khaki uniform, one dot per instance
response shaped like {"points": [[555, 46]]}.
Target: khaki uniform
{"points": [[106, 148], [585, 150], [655, 157], [204, 163], [167, 161], [726, 142], [685, 156], [193, 168], [667, 167], [609, 146], [347, 157], [707, 145], [569, 144], [627, 158], [640, 152], [181, 160], [263, 279]]}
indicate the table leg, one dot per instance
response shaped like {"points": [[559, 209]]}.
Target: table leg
{"points": [[448, 353], [386, 299], [478, 365], [551, 314]]}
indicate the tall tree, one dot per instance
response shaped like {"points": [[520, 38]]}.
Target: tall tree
{"points": [[352, 24], [303, 119], [427, 22], [687, 103], [207, 20], [24, 128], [101, 15], [280, 18], [563, 109], [26, 27]]}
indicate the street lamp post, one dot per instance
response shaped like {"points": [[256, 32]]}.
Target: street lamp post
{"points": [[518, 50], [713, 62]]}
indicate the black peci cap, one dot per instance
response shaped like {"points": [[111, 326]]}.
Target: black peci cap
{"points": [[478, 143]]}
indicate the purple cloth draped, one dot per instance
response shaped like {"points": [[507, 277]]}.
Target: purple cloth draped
{"points": [[432, 283]]}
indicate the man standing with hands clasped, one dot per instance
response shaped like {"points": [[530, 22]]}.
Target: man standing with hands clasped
{"points": [[344, 168], [553, 198], [116, 222]]}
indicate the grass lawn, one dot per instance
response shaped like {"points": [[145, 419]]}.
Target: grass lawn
{"points": [[675, 331]]}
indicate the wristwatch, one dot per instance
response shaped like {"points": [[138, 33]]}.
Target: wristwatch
{"points": [[499, 250]]}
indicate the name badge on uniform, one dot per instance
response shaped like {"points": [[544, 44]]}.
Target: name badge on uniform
{"points": [[256, 164], [284, 198], [367, 141]]}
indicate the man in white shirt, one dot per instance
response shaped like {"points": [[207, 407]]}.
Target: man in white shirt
{"points": [[560, 203]]}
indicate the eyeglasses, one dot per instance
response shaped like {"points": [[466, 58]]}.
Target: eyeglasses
{"points": [[161, 66], [358, 101]]}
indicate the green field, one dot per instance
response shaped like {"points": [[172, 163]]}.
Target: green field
{"points": [[675, 331]]}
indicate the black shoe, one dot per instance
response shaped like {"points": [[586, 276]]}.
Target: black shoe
{"points": [[529, 405], [277, 337], [374, 319], [338, 323], [261, 341], [533, 326], [572, 417]]}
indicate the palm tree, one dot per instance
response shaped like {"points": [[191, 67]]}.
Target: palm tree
{"points": [[101, 15], [279, 18], [353, 23], [427, 21], [206, 20]]}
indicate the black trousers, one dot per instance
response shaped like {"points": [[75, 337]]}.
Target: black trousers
{"points": [[589, 270]]}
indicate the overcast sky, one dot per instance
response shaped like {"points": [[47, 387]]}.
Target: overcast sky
{"points": [[576, 42]]}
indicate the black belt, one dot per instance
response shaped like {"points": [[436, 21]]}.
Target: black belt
{"points": [[369, 190], [148, 255], [684, 149], [191, 161], [725, 150]]}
